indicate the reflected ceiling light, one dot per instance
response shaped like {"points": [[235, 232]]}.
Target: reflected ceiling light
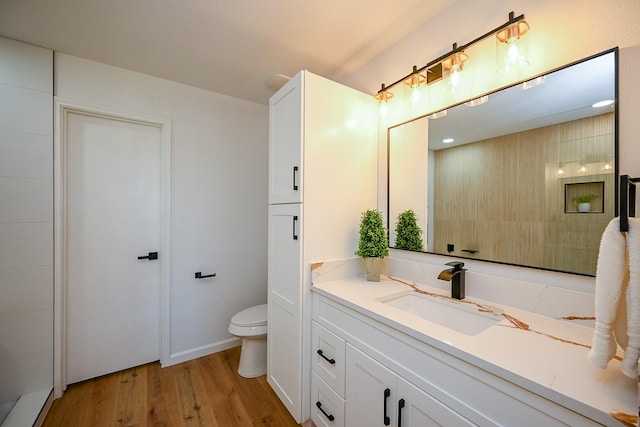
{"points": [[383, 94], [438, 114], [511, 48], [604, 103], [448, 140], [477, 101], [534, 82], [450, 64], [415, 79]]}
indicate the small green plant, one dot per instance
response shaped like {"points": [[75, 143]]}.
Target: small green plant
{"points": [[587, 198], [373, 236], [408, 234]]}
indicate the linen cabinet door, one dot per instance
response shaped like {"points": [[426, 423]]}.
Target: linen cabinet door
{"points": [[370, 391], [284, 334], [285, 142], [418, 409]]}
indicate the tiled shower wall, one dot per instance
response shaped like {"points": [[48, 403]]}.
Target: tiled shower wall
{"points": [[26, 221]]}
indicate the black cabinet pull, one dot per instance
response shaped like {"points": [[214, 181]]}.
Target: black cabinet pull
{"points": [[295, 186], [387, 393], [151, 256], [332, 361], [295, 236], [329, 416], [400, 406]]}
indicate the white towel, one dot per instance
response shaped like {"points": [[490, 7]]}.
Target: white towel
{"points": [[618, 297]]}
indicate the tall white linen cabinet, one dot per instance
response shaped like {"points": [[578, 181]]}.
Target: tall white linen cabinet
{"points": [[322, 176]]}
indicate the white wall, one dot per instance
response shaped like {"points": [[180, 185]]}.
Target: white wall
{"points": [[218, 194], [26, 222]]}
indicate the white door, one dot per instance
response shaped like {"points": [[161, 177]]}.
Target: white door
{"points": [[284, 337], [370, 391], [112, 218], [285, 143]]}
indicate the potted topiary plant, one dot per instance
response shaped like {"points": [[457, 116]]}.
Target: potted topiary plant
{"points": [[583, 202], [408, 234], [373, 244]]}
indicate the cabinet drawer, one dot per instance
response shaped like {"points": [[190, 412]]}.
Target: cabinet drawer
{"points": [[328, 357], [327, 408]]}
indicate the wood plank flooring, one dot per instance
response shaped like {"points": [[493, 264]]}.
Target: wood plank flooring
{"points": [[206, 392]]}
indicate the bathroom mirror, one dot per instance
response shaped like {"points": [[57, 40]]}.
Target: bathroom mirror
{"points": [[529, 179]]}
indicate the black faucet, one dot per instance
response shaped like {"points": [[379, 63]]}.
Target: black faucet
{"points": [[454, 275]]}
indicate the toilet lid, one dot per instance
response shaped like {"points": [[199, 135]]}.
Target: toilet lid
{"points": [[252, 316]]}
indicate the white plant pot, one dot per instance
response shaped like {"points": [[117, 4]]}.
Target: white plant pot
{"points": [[584, 207], [373, 267]]}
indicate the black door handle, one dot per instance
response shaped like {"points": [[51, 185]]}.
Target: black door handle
{"points": [[295, 219], [295, 186], [332, 361], [400, 406], [387, 420], [329, 416], [152, 255]]}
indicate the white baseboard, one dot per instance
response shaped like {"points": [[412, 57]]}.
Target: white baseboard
{"points": [[184, 356]]}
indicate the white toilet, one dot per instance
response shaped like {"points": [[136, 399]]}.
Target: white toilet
{"points": [[251, 326]]}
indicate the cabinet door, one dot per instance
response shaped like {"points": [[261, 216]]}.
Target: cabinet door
{"points": [[284, 335], [370, 391], [418, 409], [285, 142]]}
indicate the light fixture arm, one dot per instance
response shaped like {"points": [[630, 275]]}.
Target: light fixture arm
{"points": [[512, 20]]}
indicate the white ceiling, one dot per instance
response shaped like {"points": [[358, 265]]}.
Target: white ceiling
{"points": [[231, 47]]}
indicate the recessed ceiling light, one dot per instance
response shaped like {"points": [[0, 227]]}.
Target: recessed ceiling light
{"points": [[438, 114], [477, 101], [604, 103], [447, 140]]}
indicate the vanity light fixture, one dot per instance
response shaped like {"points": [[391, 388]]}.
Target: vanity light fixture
{"points": [[560, 170], [452, 67], [478, 101], [604, 103], [511, 48], [383, 94], [415, 79], [450, 64], [582, 168]]}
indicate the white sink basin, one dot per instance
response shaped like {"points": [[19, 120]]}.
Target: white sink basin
{"points": [[462, 317]]}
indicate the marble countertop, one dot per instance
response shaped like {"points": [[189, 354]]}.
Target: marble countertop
{"points": [[542, 354]]}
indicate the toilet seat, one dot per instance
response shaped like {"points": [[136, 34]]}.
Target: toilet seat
{"points": [[249, 322]]}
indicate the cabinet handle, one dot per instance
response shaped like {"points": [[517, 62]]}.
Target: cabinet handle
{"points": [[387, 393], [329, 416], [400, 406], [295, 186], [332, 361], [295, 219]]}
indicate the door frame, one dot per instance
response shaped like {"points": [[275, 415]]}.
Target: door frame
{"points": [[62, 109]]}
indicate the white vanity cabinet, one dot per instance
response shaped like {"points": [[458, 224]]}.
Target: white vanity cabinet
{"points": [[322, 176], [415, 383], [377, 396]]}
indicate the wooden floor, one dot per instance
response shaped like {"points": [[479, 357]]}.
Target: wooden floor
{"points": [[206, 392]]}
